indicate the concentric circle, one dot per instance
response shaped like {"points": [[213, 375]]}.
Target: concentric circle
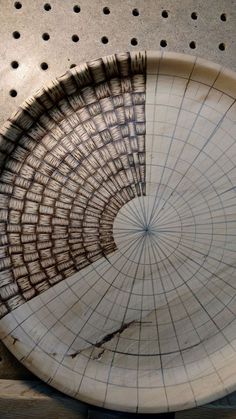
{"points": [[118, 197]]}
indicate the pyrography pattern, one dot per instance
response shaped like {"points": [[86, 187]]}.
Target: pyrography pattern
{"points": [[118, 279]]}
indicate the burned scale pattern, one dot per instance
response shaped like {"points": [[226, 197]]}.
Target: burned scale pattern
{"points": [[70, 159]]}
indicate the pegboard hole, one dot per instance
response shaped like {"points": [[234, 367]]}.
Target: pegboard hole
{"points": [[18, 5], [163, 43], [44, 66], [104, 40], [47, 7], [13, 93], [14, 64], [46, 36], [135, 12], [223, 17], [194, 16], [106, 10], [165, 14], [16, 34], [75, 38], [76, 8], [72, 65], [134, 42], [222, 46], [192, 44]]}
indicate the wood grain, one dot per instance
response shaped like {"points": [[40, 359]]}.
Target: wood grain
{"points": [[31, 399], [206, 413]]}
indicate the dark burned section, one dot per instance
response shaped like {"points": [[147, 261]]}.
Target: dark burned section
{"points": [[70, 159]]}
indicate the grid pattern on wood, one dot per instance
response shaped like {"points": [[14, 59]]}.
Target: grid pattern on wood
{"points": [[150, 326]]}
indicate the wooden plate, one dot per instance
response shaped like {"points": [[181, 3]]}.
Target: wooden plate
{"points": [[118, 220]]}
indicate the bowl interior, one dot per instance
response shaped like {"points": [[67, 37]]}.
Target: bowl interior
{"points": [[118, 226]]}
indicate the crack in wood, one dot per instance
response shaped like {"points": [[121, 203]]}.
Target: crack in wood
{"points": [[99, 355], [105, 339], [110, 336]]}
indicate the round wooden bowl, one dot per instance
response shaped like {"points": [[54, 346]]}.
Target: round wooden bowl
{"points": [[118, 232]]}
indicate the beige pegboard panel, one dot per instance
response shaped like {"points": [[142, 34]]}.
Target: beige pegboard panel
{"points": [[41, 40]]}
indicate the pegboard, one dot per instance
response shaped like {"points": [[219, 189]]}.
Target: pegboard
{"points": [[41, 40]]}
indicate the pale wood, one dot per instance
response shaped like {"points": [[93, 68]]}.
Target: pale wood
{"points": [[37, 396], [119, 325]]}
